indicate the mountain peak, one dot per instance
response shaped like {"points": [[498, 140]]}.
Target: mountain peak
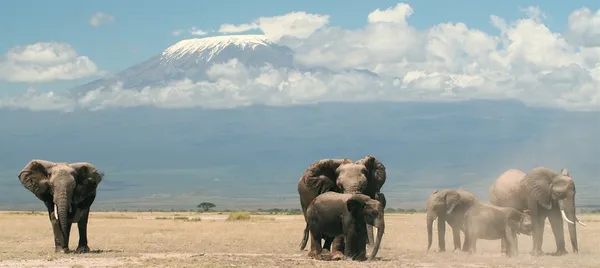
{"points": [[211, 46]]}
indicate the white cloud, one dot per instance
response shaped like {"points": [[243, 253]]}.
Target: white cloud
{"points": [[584, 27], [295, 24], [191, 31], [100, 18], [240, 28], [45, 62], [194, 31], [525, 60]]}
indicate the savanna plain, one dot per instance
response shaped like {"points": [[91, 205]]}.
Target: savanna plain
{"points": [[192, 239]]}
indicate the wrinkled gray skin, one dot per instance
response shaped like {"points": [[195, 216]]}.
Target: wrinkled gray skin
{"points": [[344, 216], [546, 194], [490, 222], [68, 191], [365, 176], [448, 205]]}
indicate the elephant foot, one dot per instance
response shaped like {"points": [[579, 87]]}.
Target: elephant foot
{"points": [[82, 249], [337, 256], [61, 250], [312, 254], [441, 250], [537, 252], [360, 257], [326, 257], [560, 252]]}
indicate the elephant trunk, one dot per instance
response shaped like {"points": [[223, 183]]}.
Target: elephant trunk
{"points": [[380, 224], [62, 212], [567, 209], [430, 218]]}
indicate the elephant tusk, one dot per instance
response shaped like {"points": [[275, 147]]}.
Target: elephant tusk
{"points": [[562, 212], [55, 211], [578, 221]]}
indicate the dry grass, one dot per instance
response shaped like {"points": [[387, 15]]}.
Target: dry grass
{"points": [[140, 240]]}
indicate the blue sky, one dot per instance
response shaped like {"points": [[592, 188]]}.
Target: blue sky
{"points": [[143, 29]]}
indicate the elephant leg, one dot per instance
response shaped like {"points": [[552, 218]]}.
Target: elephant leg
{"points": [[315, 245], [516, 241], [471, 243], [456, 237], [441, 233], [509, 235], [537, 234], [503, 245], [58, 246], [82, 246], [556, 224], [338, 248]]}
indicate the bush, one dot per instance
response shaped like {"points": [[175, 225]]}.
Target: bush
{"points": [[239, 216]]}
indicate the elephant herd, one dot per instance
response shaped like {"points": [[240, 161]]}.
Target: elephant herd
{"points": [[518, 203], [342, 203]]}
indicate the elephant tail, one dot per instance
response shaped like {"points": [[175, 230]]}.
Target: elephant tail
{"points": [[305, 238]]}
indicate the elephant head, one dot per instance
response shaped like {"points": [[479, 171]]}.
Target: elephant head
{"points": [[520, 222], [549, 189], [61, 184], [372, 211], [364, 176]]}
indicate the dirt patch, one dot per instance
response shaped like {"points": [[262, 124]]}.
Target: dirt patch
{"points": [[139, 240]]}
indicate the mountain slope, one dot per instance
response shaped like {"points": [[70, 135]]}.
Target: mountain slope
{"points": [[192, 58]]}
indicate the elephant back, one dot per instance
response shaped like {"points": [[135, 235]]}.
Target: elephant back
{"points": [[506, 191]]}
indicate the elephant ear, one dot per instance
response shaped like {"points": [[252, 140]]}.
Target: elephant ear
{"points": [[88, 177], [35, 177], [538, 183], [321, 176], [381, 198], [452, 199], [375, 170], [355, 205]]}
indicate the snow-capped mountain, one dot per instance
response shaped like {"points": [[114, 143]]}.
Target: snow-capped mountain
{"points": [[191, 58]]}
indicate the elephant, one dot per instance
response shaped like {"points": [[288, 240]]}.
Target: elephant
{"points": [[448, 205], [68, 191], [546, 194], [344, 217], [341, 175], [490, 222]]}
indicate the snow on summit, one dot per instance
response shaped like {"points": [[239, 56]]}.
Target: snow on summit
{"points": [[208, 47]]}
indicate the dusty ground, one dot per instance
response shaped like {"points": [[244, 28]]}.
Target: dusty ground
{"points": [[142, 240]]}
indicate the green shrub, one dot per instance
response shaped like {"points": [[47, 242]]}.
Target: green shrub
{"points": [[239, 216]]}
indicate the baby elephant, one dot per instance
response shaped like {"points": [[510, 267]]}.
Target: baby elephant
{"points": [[344, 217], [490, 222]]}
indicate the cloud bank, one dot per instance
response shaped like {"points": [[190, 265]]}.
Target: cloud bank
{"points": [[45, 62], [525, 60]]}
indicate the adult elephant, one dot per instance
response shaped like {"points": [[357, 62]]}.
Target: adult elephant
{"points": [[546, 194], [448, 205], [342, 175], [68, 191]]}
